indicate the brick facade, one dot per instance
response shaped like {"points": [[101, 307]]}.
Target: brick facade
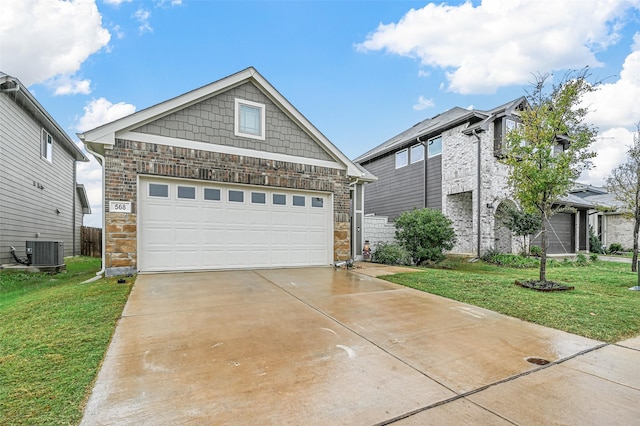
{"points": [[127, 159]]}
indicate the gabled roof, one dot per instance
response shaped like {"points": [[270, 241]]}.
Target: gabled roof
{"points": [[431, 127], [96, 139], [22, 97]]}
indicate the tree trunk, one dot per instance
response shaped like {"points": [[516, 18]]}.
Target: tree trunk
{"points": [[543, 255], [634, 261]]}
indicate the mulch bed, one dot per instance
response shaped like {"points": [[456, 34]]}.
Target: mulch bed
{"points": [[544, 285]]}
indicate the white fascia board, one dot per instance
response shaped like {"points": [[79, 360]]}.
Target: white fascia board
{"points": [[224, 149]]}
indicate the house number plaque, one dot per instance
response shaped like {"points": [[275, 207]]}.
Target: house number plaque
{"points": [[120, 206]]}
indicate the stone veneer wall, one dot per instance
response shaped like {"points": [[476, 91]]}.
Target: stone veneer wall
{"points": [[460, 184], [378, 229], [619, 229], [128, 159]]}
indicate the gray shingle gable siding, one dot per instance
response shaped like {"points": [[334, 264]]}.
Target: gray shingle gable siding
{"points": [[212, 121]]}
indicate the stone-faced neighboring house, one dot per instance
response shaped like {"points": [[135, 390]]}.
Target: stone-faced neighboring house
{"points": [[451, 162], [226, 176], [607, 219], [40, 199]]}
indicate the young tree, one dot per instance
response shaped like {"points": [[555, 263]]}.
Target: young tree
{"points": [[522, 224], [549, 150], [624, 184]]}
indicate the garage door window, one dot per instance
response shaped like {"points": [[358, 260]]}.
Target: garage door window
{"points": [[258, 198], [279, 200], [158, 190], [298, 200], [212, 194], [187, 192], [317, 202], [236, 196]]}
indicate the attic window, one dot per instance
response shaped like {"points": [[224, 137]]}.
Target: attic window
{"points": [[249, 119], [46, 149]]}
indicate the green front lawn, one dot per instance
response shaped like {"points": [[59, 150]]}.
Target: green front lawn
{"points": [[601, 306], [53, 335]]}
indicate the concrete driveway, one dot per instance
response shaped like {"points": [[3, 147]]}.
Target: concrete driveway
{"points": [[324, 346]]}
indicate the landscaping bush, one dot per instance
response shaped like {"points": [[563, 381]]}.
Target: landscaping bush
{"points": [[511, 260], [614, 248], [391, 254], [593, 257], [491, 254], [535, 251], [595, 245], [581, 260], [425, 233]]}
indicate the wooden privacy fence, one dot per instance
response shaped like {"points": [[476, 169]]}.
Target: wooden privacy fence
{"points": [[91, 241]]}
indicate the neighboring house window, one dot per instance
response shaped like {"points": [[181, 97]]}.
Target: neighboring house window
{"points": [[47, 146], [249, 119], [417, 153], [435, 146], [402, 158]]}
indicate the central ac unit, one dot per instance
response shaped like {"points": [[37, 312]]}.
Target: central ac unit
{"points": [[46, 253]]}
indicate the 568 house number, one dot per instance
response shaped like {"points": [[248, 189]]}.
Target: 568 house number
{"points": [[120, 206]]}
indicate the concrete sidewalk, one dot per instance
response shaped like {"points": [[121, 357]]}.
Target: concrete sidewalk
{"points": [[326, 346]]}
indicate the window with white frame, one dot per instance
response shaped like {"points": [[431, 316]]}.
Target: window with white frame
{"points": [[402, 158], [46, 149], [417, 153], [435, 147], [249, 119]]}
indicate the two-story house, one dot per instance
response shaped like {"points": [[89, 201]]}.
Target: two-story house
{"points": [[451, 162], [40, 199]]}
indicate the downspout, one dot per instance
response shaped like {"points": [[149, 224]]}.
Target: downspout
{"points": [[73, 215], [424, 169], [479, 191], [104, 220]]}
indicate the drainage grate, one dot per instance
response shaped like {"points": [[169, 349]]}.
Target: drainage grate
{"points": [[538, 361]]}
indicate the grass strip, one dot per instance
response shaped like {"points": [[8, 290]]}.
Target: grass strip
{"points": [[53, 337], [601, 307]]}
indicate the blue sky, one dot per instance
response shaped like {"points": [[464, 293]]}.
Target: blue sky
{"points": [[360, 71]]}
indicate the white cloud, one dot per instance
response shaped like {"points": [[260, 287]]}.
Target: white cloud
{"points": [[40, 39], [101, 111], [611, 146], [617, 104], [423, 103], [501, 42], [117, 29], [142, 16], [68, 85], [116, 2]]}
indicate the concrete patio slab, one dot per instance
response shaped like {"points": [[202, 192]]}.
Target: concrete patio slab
{"points": [[330, 346]]}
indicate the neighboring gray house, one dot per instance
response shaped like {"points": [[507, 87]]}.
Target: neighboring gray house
{"points": [[227, 176], [451, 162], [40, 199], [607, 219]]}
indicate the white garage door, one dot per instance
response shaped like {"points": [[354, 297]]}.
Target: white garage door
{"points": [[187, 225]]}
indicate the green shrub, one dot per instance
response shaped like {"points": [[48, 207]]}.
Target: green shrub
{"points": [[581, 260], [614, 248], [535, 251], [391, 254], [512, 260], [595, 245], [491, 254], [425, 233], [593, 257]]}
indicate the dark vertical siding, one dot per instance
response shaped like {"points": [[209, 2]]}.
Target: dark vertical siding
{"points": [[584, 231], [434, 183], [396, 190]]}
